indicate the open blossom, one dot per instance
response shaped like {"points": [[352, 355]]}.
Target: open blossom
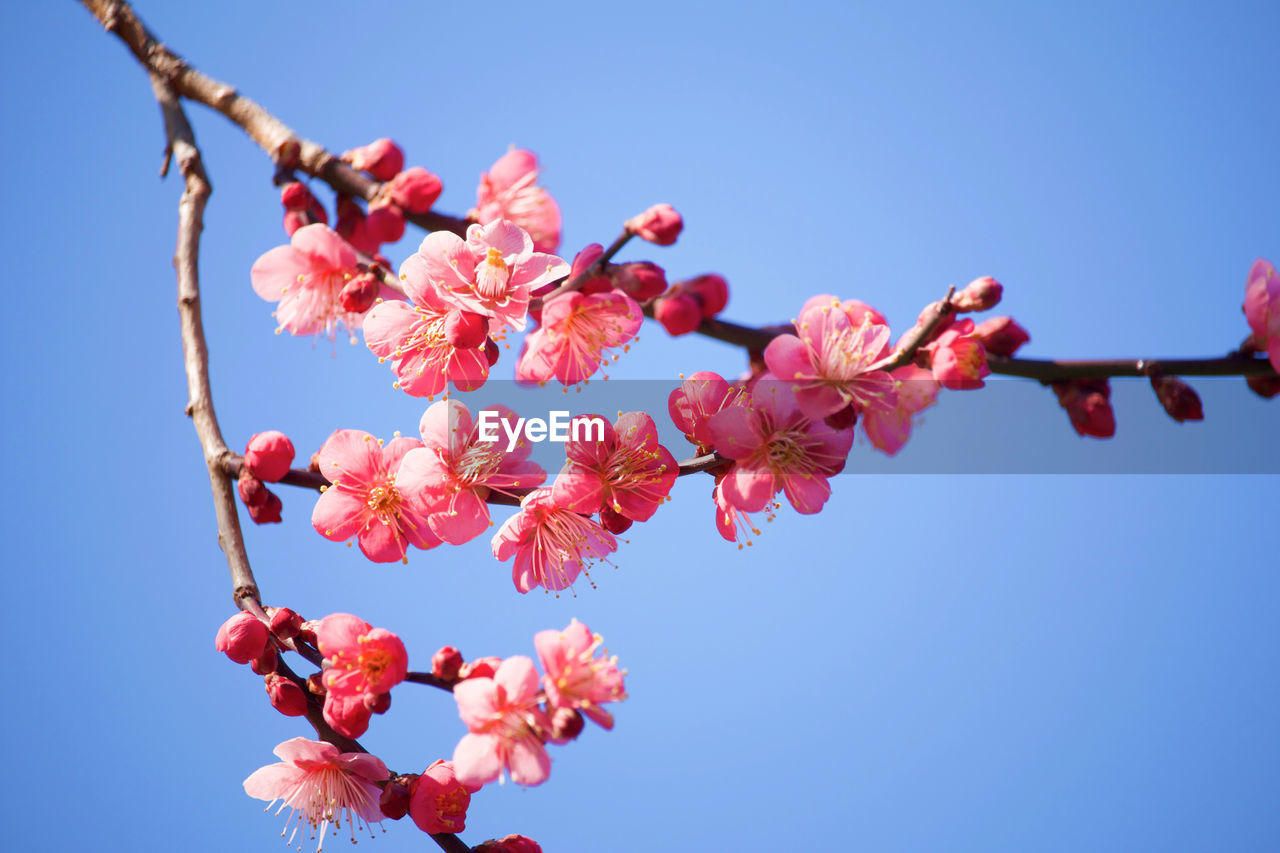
{"points": [[364, 501], [1262, 308], [830, 358], [626, 469], [439, 801], [577, 331], [733, 524], [306, 278], [575, 676], [506, 726], [491, 273], [456, 470], [549, 543], [777, 447], [321, 787], [362, 659], [915, 390], [509, 190], [959, 361], [698, 398]]}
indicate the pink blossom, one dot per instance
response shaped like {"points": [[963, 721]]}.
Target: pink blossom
{"points": [[321, 787], [455, 470], [576, 333], [549, 543], [733, 524], [306, 278], [1262, 308], [381, 158], [439, 801], [575, 676], [509, 190], [777, 447], [506, 726], [626, 469], [914, 390], [491, 273], [361, 658], [660, 224], [695, 401], [242, 637], [364, 501], [959, 361]]}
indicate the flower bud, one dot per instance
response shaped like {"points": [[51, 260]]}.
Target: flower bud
{"points": [[465, 329], [446, 663], [285, 624], [1265, 387], [252, 490], [679, 313], [286, 697], [384, 223], [1000, 336], [295, 219], [613, 521], [378, 703], [295, 196], [359, 294], [846, 418], [660, 224], [566, 724], [1088, 405], [491, 352], [395, 798], [641, 280], [268, 661], [711, 291], [480, 668], [315, 684], [269, 455], [268, 512], [415, 189], [242, 637], [981, 294], [1178, 398], [510, 844], [381, 158]]}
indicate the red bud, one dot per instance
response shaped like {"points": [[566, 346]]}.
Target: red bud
{"points": [[465, 329]]}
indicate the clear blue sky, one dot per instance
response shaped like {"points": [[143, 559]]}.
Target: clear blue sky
{"points": [[940, 661]]}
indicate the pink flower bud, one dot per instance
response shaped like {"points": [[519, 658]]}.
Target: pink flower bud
{"points": [[1178, 398], [480, 668], [613, 521], [679, 313], [268, 512], [1088, 404], [286, 697], [446, 663], [981, 294], [385, 223], [1000, 336], [285, 624], [1265, 387], [415, 189], [241, 638], [641, 280], [510, 844], [295, 196], [566, 724], [381, 158], [466, 330], [491, 352], [711, 291], [959, 361], [659, 224], [268, 661], [269, 455], [359, 294], [377, 703], [395, 798], [252, 491], [846, 418]]}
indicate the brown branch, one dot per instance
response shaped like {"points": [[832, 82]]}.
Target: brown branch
{"points": [[919, 334], [568, 285], [272, 135]]}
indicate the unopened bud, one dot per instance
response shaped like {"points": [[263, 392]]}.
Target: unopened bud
{"points": [[679, 313], [465, 329], [268, 661], [395, 799], [285, 624], [359, 294], [286, 697], [1000, 336], [378, 703], [711, 291], [381, 158], [1265, 387], [613, 521], [385, 223], [491, 352], [660, 224], [566, 724], [846, 418], [641, 280], [241, 638], [269, 455], [268, 512], [295, 196], [415, 189], [446, 663], [510, 844], [315, 684], [1178, 398], [981, 294], [252, 490], [1088, 405]]}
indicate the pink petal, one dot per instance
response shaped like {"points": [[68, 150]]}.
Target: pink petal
{"points": [[476, 759], [276, 272], [806, 493], [528, 761], [338, 515]]}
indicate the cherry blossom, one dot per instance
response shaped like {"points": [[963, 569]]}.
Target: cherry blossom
{"points": [[577, 331], [306, 278], [363, 500], [321, 787], [550, 543], [698, 398], [506, 726], [915, 389], [509, 190], [959, 361], [439, 801], [626, 469], [575, 677], [1262, 309], [362, 659]]}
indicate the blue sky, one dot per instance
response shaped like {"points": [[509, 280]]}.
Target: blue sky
{"points": [[950, 659]]}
